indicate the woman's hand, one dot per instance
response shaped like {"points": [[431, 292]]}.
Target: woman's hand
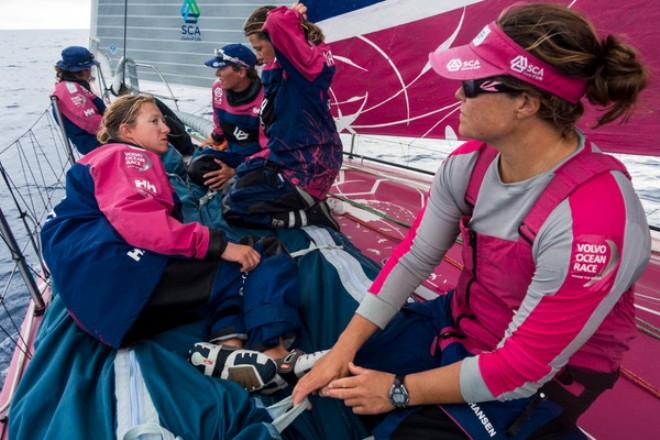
{"points": [[331, 366], [210, 142], [216, 179], [244, 255], [366, 392], [300, 8]]}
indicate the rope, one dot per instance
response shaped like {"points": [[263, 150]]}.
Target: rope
{"points": [[369, 209], [648, 328], [637, 380]]}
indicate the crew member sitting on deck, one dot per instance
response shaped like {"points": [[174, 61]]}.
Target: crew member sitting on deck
{"points": [[127, 268], [287, 186], [553, 239], [236, 96], [80, 108]]}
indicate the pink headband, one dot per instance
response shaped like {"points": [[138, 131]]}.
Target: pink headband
{"points": [[494, 53]]}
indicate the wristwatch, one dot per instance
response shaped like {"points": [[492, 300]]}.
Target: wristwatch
{"points": [[399, 396]]}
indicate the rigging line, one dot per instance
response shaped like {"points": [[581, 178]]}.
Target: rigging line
{"points": [[125, 32], [40, 169], [38, 146], [57, 145], [647, 324], [640, 382], [24, 349], [11, 144], [9, 315], [648, 332], [647, 328], [23, 161]]}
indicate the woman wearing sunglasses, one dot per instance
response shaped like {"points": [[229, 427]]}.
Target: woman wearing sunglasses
{"points": [[553, 236], [236, 97]]}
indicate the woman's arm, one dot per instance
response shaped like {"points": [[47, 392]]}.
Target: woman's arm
{"points": [[432, 233], [335, 364], [132, 191], [284, 29], [367, 391]]}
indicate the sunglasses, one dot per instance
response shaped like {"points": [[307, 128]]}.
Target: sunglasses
{"points": [[221, 54], [475, 87]]}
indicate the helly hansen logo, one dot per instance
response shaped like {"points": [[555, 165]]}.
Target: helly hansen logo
{"points": [[522, 65], [135, 254], [89, 112], [144, 185], [483, 418]]}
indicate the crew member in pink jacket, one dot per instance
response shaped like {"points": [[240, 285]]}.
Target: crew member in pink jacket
{"points": [[126, 267], [553, 235], [80, 108]]}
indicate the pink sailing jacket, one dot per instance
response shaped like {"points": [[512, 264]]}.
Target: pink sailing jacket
{"points": [[549, 265], [77, 104]]}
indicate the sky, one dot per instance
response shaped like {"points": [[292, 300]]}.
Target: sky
{"points": [[44, 14]]}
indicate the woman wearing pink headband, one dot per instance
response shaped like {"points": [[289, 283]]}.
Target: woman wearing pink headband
{"points": [[553, 239]]}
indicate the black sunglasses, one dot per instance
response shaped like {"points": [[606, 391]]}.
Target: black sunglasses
{"points": [[475, 87]]}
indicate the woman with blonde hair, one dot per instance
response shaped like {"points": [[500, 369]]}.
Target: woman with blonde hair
{"points": [[126, 267]]}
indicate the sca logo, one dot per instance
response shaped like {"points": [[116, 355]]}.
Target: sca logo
{"points": [[190, 13], [521, 65]]}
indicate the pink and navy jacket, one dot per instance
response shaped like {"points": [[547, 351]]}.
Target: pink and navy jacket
{"points": [[107, 243], [81, 112], [302, 137], [549, 265], [236, 120]]}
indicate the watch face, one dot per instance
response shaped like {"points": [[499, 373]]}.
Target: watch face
{"points": [[398, 397]]}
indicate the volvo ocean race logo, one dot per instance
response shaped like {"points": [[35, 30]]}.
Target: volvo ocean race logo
{"points": [[190, 13]]}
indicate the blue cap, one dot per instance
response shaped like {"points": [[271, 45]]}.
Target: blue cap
{"points": [[76, 59], [233, 54]]}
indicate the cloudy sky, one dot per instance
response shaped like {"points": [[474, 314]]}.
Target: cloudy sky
{"points": [[45, 14]]}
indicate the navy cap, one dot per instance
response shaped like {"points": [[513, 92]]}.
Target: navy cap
{"points": [[76, 59], [233, 54]]}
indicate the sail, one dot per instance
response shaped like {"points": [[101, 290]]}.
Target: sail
{"points": [[384, 84], [174, 36]]}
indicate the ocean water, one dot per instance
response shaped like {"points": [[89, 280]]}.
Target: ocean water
{"points": [[27, 78]]}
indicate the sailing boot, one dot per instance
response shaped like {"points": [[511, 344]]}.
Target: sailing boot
{"points": [[251, 369], [296, 364]]}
